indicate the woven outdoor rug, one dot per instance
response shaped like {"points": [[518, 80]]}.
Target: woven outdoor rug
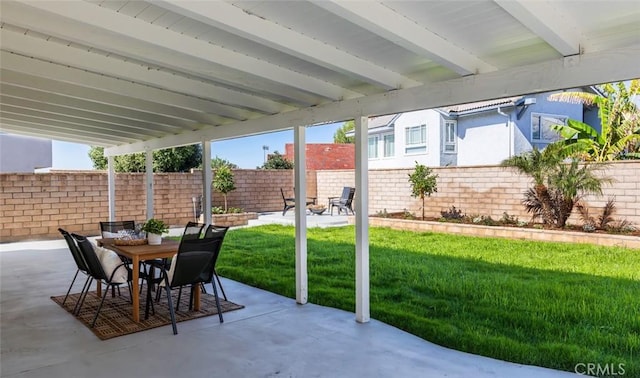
{"points": [[115, 316]]}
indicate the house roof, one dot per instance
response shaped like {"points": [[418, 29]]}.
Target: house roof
{"points": [[137, 75], [481, 105]]}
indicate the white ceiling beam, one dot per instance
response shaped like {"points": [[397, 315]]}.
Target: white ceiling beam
{"points": [[169, 124], [103, 20], [79, 77], [385, 22], [74, 57], [34, 130], [234, 20], [105, 129], [114, 120], [47, 125], [121, 100], [570, 72], [543, 19]]}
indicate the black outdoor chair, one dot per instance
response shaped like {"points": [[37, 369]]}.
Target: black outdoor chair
{"points": [[111, 229], [344, 202], [194, 265], [98, 273], [193, 230], [220, 232], [80, 264], [290, 203]]}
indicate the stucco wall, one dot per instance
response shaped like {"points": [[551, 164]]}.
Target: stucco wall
{"points": [[19, 154]]}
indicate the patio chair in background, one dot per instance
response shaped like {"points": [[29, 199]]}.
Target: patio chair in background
{"points": [[344, 202], [111, 229], [290, 203]]}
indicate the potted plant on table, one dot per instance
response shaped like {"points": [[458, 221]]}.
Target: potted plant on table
{"points": [[154, 229]]}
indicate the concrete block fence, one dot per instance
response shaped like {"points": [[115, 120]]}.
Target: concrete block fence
{"points": [[33, 206], [482, 190]]}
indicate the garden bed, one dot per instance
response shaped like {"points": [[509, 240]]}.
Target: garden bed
{"points": [[509, 232], [231, 220]]}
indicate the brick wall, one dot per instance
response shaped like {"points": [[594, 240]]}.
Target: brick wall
{"points": [[33, 206], [326, 156], [487, 190]]}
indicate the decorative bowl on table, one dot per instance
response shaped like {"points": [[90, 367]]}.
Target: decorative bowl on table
{"points": [[129, 237]]}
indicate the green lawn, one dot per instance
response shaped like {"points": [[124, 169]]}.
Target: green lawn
{"points": [[545, 304]]}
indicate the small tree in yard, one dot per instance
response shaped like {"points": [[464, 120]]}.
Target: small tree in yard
{"points": [[223, 182], [423, 183]]}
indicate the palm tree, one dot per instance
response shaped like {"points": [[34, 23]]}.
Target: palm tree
{"points": [[557, 185], [538, 164], [619, 137], [570, 183]]}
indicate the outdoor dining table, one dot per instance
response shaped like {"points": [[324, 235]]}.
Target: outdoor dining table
{"points": [[138, 253]]}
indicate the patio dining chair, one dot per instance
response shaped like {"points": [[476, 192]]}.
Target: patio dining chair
{"points": [[113, 229], [104, 268], [344, 202], [80, 264], [219, 232], [192, 266]]}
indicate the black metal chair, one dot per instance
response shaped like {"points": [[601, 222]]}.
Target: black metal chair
{"points": [[290, 203], [80, 264], [219, 232], [194, 265], [344, 202], [97, 271], [193, 230], [110, 229]]}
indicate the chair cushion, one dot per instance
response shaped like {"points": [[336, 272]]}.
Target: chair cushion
{"points": [[111, 261], [110, 235], [172, 268]]}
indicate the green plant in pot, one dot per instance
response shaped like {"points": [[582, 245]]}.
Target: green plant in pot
{"points": [[154, 229]]}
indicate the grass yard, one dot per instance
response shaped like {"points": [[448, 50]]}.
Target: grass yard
{"points": [[546, 304]]}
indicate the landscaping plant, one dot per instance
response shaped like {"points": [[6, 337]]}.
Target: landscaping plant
{"points": [[619, 135], [223, 182], [558, 185], [423, 183]]}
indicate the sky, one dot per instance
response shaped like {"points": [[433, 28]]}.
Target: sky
{"points": [[245, 152]]}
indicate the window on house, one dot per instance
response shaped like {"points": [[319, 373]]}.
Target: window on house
{"points": [[450, 138], [373, 147], [541, 130], [416, 139], [389, 148]]}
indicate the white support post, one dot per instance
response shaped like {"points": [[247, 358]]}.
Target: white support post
{"points": [[362, 220], [206, 181], [111, 188], [148, 163], [300, 195]]}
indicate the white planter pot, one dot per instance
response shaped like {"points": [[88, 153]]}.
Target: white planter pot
{"points": [[154, 239]]}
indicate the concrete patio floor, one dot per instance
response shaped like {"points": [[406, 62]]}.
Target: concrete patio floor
{"points": [[271, 337]]}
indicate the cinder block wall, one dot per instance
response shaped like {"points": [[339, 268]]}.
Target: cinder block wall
{"points": [[485, 190], [33, 206]]}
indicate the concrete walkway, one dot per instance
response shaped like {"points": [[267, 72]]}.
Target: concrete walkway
{"points": [[271, 337]]}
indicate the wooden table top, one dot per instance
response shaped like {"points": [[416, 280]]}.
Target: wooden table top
{"points": [[167, 248]]}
